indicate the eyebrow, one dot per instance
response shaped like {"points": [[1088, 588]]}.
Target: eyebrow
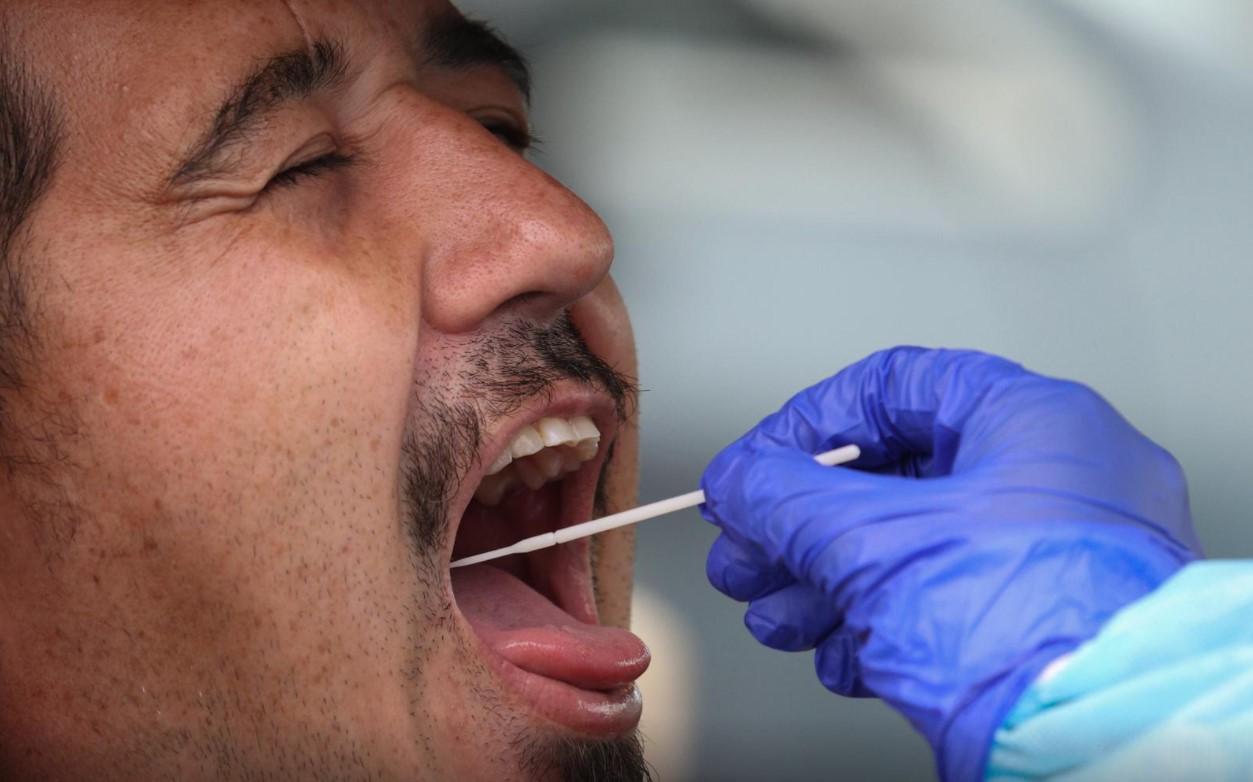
{"points": [[285, 78], [455, 41], [451, 41]]}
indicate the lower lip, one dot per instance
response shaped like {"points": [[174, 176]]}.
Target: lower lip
{"points": [[599, 714]]}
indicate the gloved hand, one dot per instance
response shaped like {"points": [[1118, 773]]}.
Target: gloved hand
{"points": [[995, 520]]}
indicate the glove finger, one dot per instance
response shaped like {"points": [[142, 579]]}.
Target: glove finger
{"points": [[837, 664], [796, 512], [792, 619], [894, 405], [741, 571]]}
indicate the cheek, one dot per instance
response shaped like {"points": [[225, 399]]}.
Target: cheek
{"points": [[271, 351], [230, 450], [262, 397], [602, 319]]}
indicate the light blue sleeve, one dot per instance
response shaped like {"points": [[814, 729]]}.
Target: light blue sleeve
{"points": [[1164, 692]]}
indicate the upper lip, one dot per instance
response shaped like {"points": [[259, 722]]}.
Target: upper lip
{"points": [[563, 401]]}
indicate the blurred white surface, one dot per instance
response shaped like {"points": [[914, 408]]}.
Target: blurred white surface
{"points": [[1212, 34], [943, 146], [669, 685]]}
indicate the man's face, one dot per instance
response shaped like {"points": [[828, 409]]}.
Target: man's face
{"points": [[294, 289]]}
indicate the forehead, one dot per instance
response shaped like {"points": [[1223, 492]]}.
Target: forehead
{"points": [[168, 50], [189, 33]]}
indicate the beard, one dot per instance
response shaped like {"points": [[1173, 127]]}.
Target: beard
{"points": [[493, 376], [620, 760]]}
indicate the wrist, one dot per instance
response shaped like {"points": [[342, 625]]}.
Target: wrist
{"points": [[964, 736]]}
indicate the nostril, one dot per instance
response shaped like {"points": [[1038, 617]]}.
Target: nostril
{"points": [[532, 305], [523, 300]]}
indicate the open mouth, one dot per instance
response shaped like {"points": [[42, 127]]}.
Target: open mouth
{"points": [[536, 613]]}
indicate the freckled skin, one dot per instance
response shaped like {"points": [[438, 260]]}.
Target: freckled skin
{"points": [[203, 569]]}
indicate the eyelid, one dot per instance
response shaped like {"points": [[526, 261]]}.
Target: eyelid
{"points": [[309, 169], [514, 131], [320, 155], [318, 146]]}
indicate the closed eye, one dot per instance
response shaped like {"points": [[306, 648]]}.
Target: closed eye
{"points": [[517, 138], [309, 169]]}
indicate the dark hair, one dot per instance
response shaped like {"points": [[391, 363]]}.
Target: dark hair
{"points": [[28, 142]]}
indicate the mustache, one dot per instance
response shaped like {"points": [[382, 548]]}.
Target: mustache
{"points": [[526, 361], [496, 375]]}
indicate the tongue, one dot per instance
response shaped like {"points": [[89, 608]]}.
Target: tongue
{"points": [[531, 632]]}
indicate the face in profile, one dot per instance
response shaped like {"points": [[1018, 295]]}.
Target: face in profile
{"points": [[290, 322]]}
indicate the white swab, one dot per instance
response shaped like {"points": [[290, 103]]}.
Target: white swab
{"points": [[628, 517]]}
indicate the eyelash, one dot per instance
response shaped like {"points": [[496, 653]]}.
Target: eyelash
{"points": [[518, 139], [309, 169]]}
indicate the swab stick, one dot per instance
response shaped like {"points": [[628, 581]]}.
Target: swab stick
{"points": [[628, 517]]}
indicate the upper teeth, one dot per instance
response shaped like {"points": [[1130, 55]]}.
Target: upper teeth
{"points": [[539, 453]]}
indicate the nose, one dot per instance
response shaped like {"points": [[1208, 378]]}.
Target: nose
{"points": [[503, 235]]}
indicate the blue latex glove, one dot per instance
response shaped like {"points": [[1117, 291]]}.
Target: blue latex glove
{"points": [[995, 521]]}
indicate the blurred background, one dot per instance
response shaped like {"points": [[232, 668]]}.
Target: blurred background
{"points": [[796, 183]]}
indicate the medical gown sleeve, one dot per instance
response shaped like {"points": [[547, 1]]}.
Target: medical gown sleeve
{"points": [[1163, 692]]}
